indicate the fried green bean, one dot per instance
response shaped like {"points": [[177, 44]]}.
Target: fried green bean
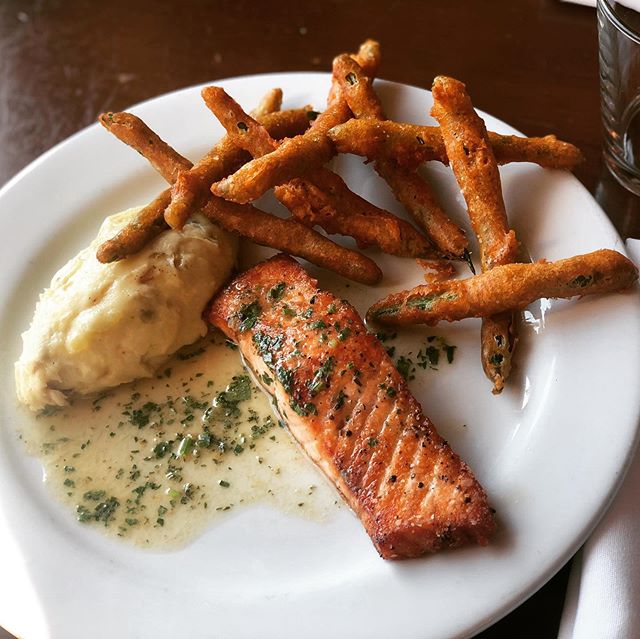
{"points": [[368, 57], [316, 201], [244, 130], [291, 237], [419, 200], [411, 145], [408, 187], [192, 186], [476, 170], [297, 156], [293, 158], [148, 223], [322, 197], [131, 130], [285, 235], [506, 288], [270, 103], [356, 88], [223, 159]]}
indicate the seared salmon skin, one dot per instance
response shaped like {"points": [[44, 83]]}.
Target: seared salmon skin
{"points": [[343, 400]]}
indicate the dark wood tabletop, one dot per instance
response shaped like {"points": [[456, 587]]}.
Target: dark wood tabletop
{"points": [[532, 63]]}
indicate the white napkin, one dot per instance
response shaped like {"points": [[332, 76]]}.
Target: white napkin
{"points": [[603, 596]]}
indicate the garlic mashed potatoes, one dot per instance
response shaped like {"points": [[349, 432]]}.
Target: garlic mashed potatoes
{"points": [[101, 325]]}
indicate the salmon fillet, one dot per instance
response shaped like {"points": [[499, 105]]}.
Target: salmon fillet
{"points": [[351, 411]]}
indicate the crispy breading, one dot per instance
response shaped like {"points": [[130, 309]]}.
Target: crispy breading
{"points": [[131, 130], [368, 57], [134, 236], [506, 288], [408, 187], [418, 198], [322, 197], [357, 88], [223, 159], [297, 156], [412, 144], [314, 203], [192, 187], [270, 103], [293, 237], [293, 158], [476, 170]]}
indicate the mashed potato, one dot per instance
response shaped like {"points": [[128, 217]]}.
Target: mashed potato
{"points": [[100, 325]]}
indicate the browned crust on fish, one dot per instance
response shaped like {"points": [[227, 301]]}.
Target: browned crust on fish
{"points": [[352, 412]]}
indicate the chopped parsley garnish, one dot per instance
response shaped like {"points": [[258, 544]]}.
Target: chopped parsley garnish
{"points": [[188, 355], [339, 400], [185, 446], [432, 355], [277, 291], [162, 448], [405, 367], [103, 512], [450, 351], [141, 417], [267, 345], [320, 380], [303, 409], [239, 390], [94, 495], [285, 377], [248, 316], [226, 402]]}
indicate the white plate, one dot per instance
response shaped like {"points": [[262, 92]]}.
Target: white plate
{"points": [[550, 451]]}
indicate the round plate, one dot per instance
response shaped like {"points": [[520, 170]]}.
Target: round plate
{"points": [[550, 451]]}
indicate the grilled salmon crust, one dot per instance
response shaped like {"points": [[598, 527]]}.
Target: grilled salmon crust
{"points": [[351, 411]]}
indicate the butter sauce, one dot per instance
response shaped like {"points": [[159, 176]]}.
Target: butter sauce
{"points": [[156, 461]]}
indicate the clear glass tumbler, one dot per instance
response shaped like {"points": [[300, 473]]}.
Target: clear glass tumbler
{"points": [[619, 40]]}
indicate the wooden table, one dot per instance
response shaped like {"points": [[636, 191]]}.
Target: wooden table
{"points": [[532, 63]]}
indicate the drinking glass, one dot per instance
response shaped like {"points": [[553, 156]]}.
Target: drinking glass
{"points": [[619, 52]]}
